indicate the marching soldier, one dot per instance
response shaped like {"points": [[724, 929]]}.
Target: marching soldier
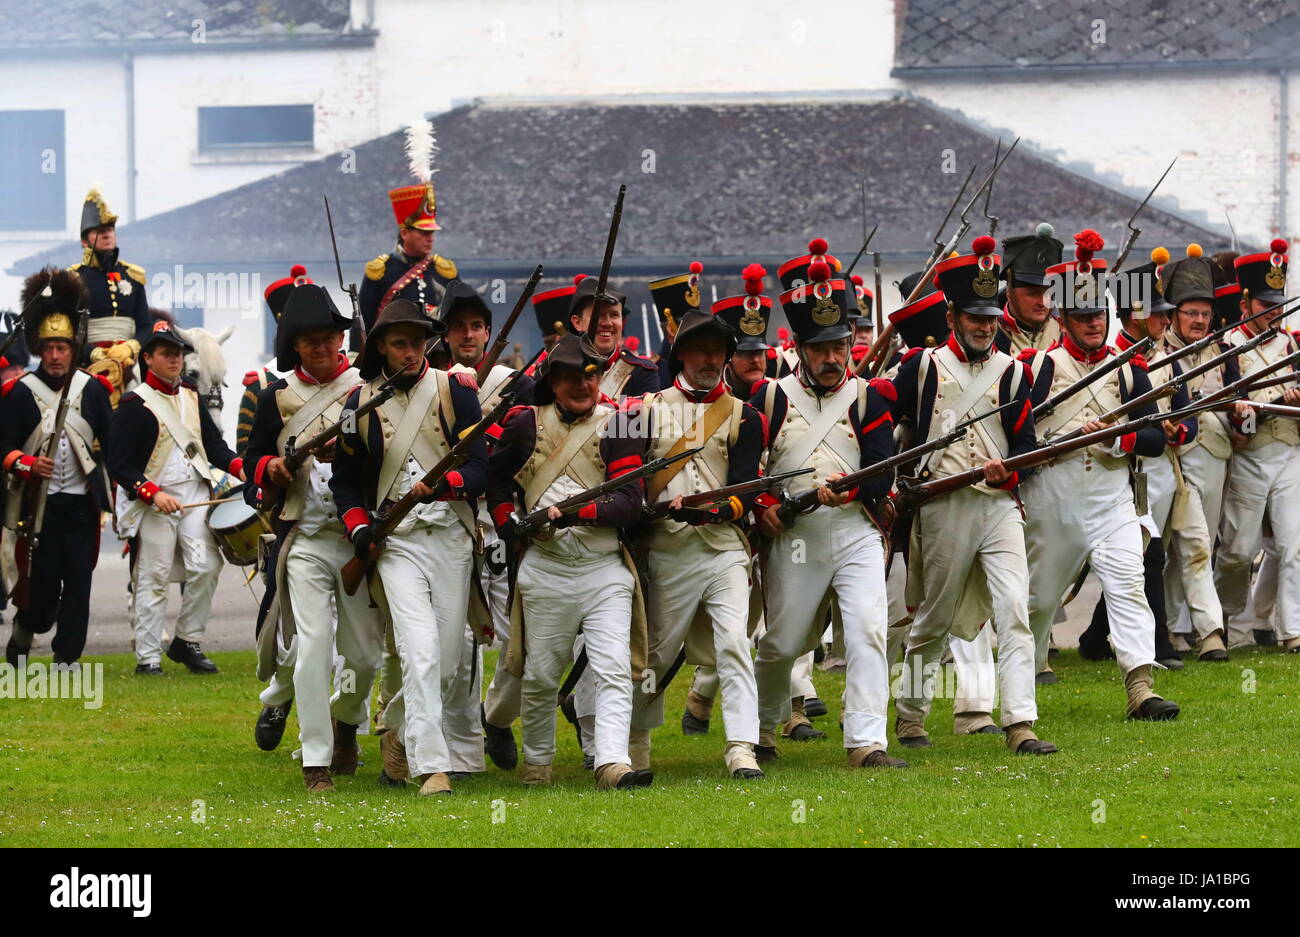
{"points": [[421, 579], [573, 573], [628, 374], [1264, 476], [1080, 508], [57, 592], [164, 452], [258, 379], [412, 271], [119, 309], [957, 581], [823, 416], [698, 559], [313, 549], [1027, 320]]}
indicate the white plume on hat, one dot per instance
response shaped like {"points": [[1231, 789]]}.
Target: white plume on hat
{"points": [[421, 148]]}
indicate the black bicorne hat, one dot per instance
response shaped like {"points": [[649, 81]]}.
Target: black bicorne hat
{"points": [[700, 324], [396, 312], [459, 295], [277, 294], [162, 331], [571, 351], [552, 310], [675, 296], [308, 307], [585, 292]]}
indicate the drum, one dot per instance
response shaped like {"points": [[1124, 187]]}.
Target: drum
{"points": [[238, 530]]}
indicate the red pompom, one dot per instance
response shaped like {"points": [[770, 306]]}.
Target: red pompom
{"points": [[578, 278], [857, 279], [754, 287], [1279, 245], [697, 267], [631, 343], [983, 245], [819, 271], [818, 246], [297, 270], [1089, 240], [782, 333], [753, 277]]}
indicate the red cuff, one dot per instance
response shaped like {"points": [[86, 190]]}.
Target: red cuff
{"points": [[766, 500], [260, 469], [493, 431], [1009, 483], [4, 362], [236, 466], [454, 484], [146, 490], [501, 514], [1128, 441], [852, 493], [623, 466], [354, 518], [19, 463], [588, 511]]}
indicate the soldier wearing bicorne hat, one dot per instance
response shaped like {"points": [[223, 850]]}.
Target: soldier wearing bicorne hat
{"points": [[412, 271], [1027, 319], [627, 374], [119, 310]]}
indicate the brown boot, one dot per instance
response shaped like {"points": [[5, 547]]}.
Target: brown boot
{"points": [[393, 754], [1022, 740], [618, 776], [1143, 703], [433, 784], [1212, 647], [345, 749], [798, 728], [317, 780], [536, 775], [872, 756]]}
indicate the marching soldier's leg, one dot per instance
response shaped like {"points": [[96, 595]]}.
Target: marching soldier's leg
{"points": [[359, 639], [1284, 512], [1056, 553], [671, 600], [1239, 539], [501, 705], [310, 572], [202, 569], [43, 593], [277, 698], [727, 601], [553, 614], [607, 625], [390, 674], [153, 565], [798, 727], [460, 720], [900, 619], [1189, 579], [972, 707], [75, 521]]}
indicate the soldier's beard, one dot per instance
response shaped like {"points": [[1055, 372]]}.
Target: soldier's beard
{"points": [[973, 351]]}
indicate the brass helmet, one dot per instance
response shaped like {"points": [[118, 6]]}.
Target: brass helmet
{"points": [[51, 301]]}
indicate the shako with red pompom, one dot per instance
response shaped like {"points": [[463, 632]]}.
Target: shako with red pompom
{"points": [[1263, 275], [748, 314], [277, 294], [970, 281], [794, 272], [676, 295]]}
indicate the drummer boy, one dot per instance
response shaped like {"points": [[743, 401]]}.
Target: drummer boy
{"points": [[166, 452]]}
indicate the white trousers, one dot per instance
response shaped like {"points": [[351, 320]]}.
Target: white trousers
{"points": [[502, 703], [426, 581], [1260, 612], [839, 549], [956, 532], [559, 597], [977, 684], [1266, 479], [1207, 476], [801, 683], [691, 577], [461, 724], [314, 578], [1188, 574], [1076, 512], [161, 537]]}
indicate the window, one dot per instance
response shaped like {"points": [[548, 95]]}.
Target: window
{"points": [[32, 196], [242, 128]]}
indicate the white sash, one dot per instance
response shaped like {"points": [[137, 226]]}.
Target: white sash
{"points": [[820, 423], [406, 433], [967, 403], [326, 396], [81, 436], [169, 416]]}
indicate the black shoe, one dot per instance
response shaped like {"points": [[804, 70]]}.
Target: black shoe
{"points": [[13, 651], [805, 733], [1053, 653], [499, 744], [1172, 663], [148, 670], [814, 707], [693, 726], [588, 762], [1265, 637], [270, 726], [915, 741], [1095, 650], [748, 774], [1156, 709], [386, 781], [458, 775], [642, 777], [764, 754], [987, 730], [189, 654], [1047, 678], [1036, 747]]}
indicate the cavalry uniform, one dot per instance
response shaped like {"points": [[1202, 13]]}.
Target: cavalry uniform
{"points": [[313, 549], [575, 574], [421, 580], [829, 552], [119, 309], [1265, 476], [1080, 508], [1025, 260], [164, 439], [698, 562], [956, 582], [58, 589]]}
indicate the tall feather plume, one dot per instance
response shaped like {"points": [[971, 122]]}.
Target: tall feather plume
{"points": [[421, 148]]}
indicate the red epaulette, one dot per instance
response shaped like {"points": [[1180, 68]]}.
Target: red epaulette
{"points": [[1139, 362], [510, 414], [251, 377], [9, 385], [1026, 355], [758, 385], [107, 384], [884, 387], [910, 354]]}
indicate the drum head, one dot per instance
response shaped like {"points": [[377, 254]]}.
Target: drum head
{"points": [[230, 514]]}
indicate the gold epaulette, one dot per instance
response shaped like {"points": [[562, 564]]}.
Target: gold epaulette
{"points": [[375, 269], [443, 267], [134, 272]]}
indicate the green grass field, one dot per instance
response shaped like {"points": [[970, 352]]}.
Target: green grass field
{"points": [[171, 761]]}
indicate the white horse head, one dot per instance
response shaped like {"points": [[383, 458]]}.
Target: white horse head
{"points": [[207, 365]]}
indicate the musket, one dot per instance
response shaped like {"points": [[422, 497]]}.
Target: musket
{"points": [[351, 288], [861, 250], [1048, 406], [499, 343], [31, 525], [1045, 453], [354, 570], [1274, 408], [988, 196], [1248, 383], [1194, 347], [601, 298], [877, 304], [533, 521], [1275, 382], [1231, 229], [656, 511], [875, 358], [1134, 230], [802, 504]]}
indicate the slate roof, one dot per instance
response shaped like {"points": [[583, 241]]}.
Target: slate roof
{"points": [[107, 22], [519, 185], [1022, 35]]}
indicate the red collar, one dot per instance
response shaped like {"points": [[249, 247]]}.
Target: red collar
{"points": [[699, 396], [1079, 354], [1245, 329], [1124, 341], [1008, 321], [340, 366], [158, 384]]}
